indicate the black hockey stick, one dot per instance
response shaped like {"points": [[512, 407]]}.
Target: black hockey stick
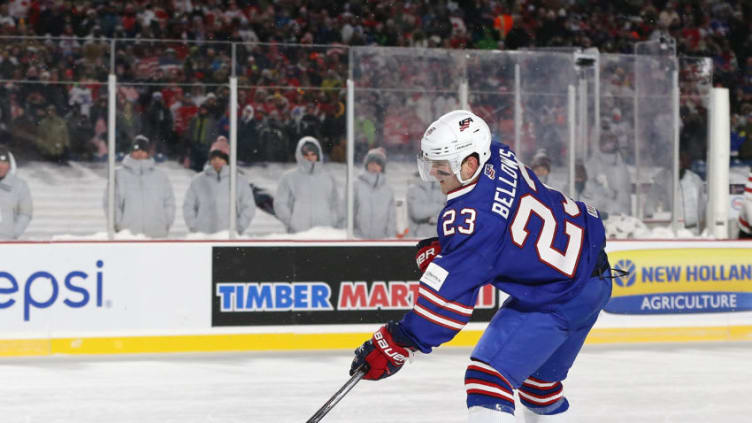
{"points": [[327, 407]]}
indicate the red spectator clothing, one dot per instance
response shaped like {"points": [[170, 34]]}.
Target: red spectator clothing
{"points": [[128, 22], [396, 127], [183, 115], [161, 14], [169, 95], [96, 89], [252, 12], [292, 81], [146, 67], [370, 22], [210, 17], [458, 42], [692, 35], [503, 23], [260, 109], [33, 14]]}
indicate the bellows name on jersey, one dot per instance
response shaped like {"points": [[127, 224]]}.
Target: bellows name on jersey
{"points": [[504, 195]]}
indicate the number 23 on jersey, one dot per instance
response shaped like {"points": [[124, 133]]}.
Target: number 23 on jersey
{"points": [[562, 261]]}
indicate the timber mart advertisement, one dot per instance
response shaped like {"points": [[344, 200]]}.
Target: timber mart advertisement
{"points": [[319, 285]]}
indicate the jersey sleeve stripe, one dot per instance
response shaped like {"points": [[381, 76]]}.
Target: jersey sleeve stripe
{"points": [[438, 300], [744, 223], [436, 319]]}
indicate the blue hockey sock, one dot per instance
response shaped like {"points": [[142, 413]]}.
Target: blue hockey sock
{"points": [[543, 397], [486, 387]]}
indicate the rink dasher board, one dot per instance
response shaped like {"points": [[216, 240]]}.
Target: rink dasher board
{"points": [[159, 297]]}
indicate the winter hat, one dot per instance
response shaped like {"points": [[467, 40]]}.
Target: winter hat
{"points": [[310, 146], [140, 143], [377, 155], [220, 148], [541, 159], [4, 154]]}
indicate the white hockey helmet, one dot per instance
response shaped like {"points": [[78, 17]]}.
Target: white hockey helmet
{"points": [[450, 139]]}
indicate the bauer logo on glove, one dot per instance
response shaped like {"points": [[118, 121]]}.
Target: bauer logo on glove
{"points": [[428, 249], [387, 349], [384, 354]]}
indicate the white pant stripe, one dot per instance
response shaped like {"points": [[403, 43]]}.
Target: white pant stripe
{"points": [[491, 389]]}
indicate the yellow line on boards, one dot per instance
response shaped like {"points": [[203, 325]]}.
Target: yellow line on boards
{"points": [[325, 341]]}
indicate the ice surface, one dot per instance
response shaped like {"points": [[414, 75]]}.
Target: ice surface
{"points": [[688, 383]]}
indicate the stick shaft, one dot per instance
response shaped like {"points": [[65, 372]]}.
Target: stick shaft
{"points": [[324, 410]]}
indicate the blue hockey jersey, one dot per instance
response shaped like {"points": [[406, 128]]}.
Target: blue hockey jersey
{"points": [[511, 231]]}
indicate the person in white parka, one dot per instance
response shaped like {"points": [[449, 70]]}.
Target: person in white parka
{"points": [[206, 207], [15, 199], [307, 195], [375, 212], [144, 199]]}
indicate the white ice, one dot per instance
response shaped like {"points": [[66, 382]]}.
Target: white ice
{"points": [[687, 383]]}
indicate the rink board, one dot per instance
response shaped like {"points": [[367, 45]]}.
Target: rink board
{"points": [[147, 297]]}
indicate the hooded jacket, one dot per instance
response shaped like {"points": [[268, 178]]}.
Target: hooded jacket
{"points": [[206, 207], [144, 199], [424, 203], [611, 169], [374, 208], [15, 204], [307, 195], [693, 200]]}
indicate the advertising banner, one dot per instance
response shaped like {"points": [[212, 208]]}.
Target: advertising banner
{"points": [[319, 285], [101, 288], [688, 280]]}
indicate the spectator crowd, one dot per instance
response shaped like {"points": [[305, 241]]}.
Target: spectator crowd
{"points": [[172, 59]]}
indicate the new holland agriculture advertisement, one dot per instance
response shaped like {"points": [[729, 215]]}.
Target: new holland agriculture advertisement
{"points": [[663, 281]]}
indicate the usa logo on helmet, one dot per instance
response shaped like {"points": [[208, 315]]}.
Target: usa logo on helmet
{"points": [[465, 123]]}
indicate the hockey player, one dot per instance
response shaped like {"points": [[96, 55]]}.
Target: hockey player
{"points": [[501, 226]]}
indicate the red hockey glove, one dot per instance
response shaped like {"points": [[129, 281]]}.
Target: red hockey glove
{"points": [[381, 355], [428, 249]]}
